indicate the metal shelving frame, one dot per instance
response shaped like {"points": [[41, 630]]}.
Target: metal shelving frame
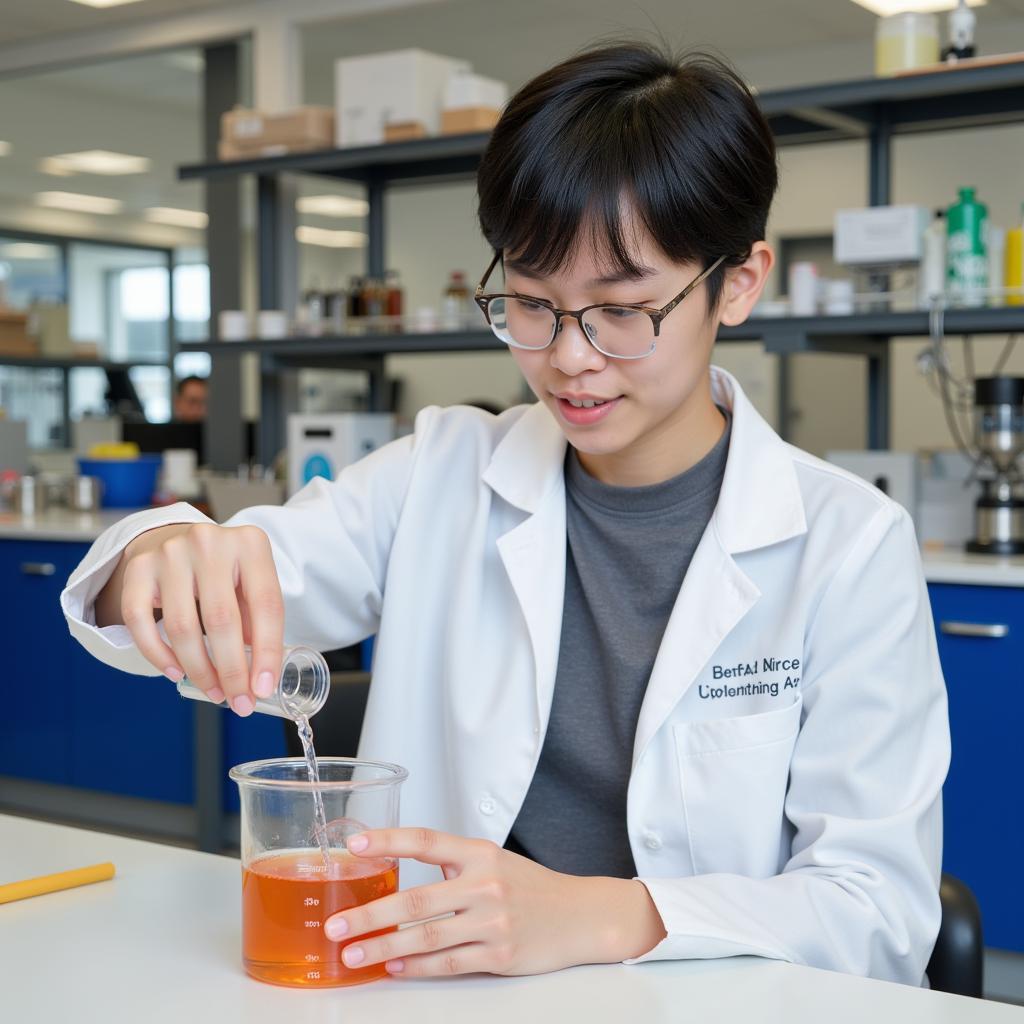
{"points": [[872, 110]]}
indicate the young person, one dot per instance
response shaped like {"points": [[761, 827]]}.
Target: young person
{"points": [[667, 687]]}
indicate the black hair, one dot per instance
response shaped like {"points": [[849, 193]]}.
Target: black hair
{"points": [[682, 138], [185, 381]]}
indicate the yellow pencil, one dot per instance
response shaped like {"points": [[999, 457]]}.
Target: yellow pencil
{"points": [[54, 883]]}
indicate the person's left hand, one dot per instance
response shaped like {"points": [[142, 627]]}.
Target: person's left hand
{"points": [[506, 914]]}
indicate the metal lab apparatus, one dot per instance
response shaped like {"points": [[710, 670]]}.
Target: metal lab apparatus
{"points": [[324, 444]]}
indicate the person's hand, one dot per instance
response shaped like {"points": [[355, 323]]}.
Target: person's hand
{"points": [[202, 578], [506, 914]]}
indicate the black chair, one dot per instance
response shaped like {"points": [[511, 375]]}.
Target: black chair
{"points": [[957, 962]]}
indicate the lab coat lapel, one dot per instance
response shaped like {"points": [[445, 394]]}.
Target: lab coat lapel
{"points": [[760, 504], [526, 470], [715, 596]]}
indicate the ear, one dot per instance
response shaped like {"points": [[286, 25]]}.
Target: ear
{"points": [[744, 284]]}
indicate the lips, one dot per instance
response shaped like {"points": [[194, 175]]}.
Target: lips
{"points": [[583, 410]]}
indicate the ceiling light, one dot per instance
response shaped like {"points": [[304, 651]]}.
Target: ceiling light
{"points": [[77, 201], [333, 206], [5, 148], [330, 238], [27, 251], [883, 8], [176, 217], [104, 3], [95, 161]]}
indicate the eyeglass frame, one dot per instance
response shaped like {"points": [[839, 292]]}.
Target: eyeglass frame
{"points": [[483, 299]]}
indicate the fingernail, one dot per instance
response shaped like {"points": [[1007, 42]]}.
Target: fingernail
{"points": [[264, 685], [242, 705], [358, 843], [216, 695], [394, 966], [353, 956], [174, 674], [335, 930]]}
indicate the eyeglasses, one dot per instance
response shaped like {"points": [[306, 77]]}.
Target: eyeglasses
{"points": [[620, 331]]}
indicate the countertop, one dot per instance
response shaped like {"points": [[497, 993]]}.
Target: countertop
{"points": [[949, 565], [160, 942], [60, 524]]}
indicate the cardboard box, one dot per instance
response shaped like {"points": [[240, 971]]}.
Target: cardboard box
{"points": [[310, 127], [375, 90], [469, 119], [466, 89], [14, 337], [403, 130]]}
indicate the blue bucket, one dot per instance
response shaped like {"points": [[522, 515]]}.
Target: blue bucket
{"points": [[127, 483]]}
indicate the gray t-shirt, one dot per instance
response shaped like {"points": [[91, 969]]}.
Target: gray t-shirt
{"points": [[627, 553]]}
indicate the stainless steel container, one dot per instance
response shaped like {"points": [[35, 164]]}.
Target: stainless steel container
{"points": [[29, 496], [84, 493]]}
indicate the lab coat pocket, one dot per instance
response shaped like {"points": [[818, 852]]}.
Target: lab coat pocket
{"points": [[733, 773]]}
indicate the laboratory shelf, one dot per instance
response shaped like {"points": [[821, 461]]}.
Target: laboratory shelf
{"points": [[781, 334], [943, 99], [872, 110], [73, 363]]}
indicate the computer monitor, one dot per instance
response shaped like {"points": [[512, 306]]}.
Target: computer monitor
{"points": [[158, 437]]}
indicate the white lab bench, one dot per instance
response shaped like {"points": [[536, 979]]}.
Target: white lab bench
{"points": [[161, 942]]}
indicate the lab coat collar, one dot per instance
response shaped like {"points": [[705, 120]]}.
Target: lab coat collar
{"points": [[759, 504], [760, 501]]}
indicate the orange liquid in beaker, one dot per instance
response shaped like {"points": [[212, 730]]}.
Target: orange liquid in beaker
{"points": [[285, 900]]}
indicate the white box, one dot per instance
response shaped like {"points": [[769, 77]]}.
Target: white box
{"points": [[880, 235], [323, 445], [377, 89], [466, 89], [894, 473]]}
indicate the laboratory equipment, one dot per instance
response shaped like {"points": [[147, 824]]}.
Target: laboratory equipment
{"points": [[999, 440], [961, 23], [906, 40], [301, 691], [323, 445], [288, 891]]}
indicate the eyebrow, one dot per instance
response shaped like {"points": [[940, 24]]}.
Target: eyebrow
{"points": [[615, 277]]}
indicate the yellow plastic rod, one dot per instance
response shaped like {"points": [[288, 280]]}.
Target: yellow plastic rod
{"points": [[56, 882]]}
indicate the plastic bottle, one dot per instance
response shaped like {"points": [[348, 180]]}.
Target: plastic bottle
{"points": [[302, 689], [1013, 263], [455, 303], [967, 263], [932, 275]]}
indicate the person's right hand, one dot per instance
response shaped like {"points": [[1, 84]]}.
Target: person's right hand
{"points": [[202, 578]]}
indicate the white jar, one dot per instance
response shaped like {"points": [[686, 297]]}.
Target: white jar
{"points": [[906, 41]]}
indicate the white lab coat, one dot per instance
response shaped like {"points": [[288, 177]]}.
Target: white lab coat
{"points": [[784, 798]]}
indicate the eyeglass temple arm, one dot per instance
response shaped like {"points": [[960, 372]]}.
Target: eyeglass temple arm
{"points": [[487, 273], [689, 288]]}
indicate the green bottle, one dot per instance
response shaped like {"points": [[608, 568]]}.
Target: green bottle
{"points": [[967, 261]]}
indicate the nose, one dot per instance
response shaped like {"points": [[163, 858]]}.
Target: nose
{"points": [[571, 352]]}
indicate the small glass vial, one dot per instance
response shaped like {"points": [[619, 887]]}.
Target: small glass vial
{"points": [[301, 691]]}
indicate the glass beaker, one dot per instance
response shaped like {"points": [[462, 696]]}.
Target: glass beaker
{"points": [[288, 889]]}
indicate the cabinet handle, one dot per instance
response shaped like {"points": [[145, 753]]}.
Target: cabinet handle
{"points": [[995, 631], [38, 568]]}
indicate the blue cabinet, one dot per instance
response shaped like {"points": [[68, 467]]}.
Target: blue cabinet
{"points": [[35, 718], [983, 798], [68, 718]]}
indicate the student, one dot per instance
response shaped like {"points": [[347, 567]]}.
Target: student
{"points": [[667, 687]]}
